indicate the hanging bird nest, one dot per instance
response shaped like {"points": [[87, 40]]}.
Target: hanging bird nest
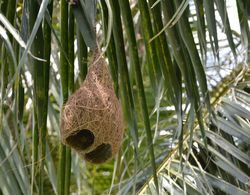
{"points": [[92, 122]]}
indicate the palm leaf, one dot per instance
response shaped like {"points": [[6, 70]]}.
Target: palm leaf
{"points": [[225, 152]]}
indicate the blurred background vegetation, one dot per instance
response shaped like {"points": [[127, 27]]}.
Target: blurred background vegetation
{"points": [[180, 69]]}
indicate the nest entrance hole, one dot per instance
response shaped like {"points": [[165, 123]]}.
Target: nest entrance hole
{"points": [[99, 155], [81, 140]]}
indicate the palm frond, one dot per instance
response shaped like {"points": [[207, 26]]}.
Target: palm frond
{"points": [[222, 167]]}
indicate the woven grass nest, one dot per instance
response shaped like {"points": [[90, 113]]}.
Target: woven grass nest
{"points": [[91, 122]]}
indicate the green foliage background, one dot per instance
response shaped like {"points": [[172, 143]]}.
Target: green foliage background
{"points": [[180, 71]]}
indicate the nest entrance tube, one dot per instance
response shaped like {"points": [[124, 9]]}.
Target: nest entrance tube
{"points": [[81, 140], [100, 154]]}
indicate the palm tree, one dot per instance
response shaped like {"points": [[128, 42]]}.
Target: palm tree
{"points": [[179, 68]]}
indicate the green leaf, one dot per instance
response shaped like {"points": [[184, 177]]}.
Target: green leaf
{"points": [[85, 26]]}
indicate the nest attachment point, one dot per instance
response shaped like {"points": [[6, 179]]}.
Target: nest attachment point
{"points": [[91, 122]]}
